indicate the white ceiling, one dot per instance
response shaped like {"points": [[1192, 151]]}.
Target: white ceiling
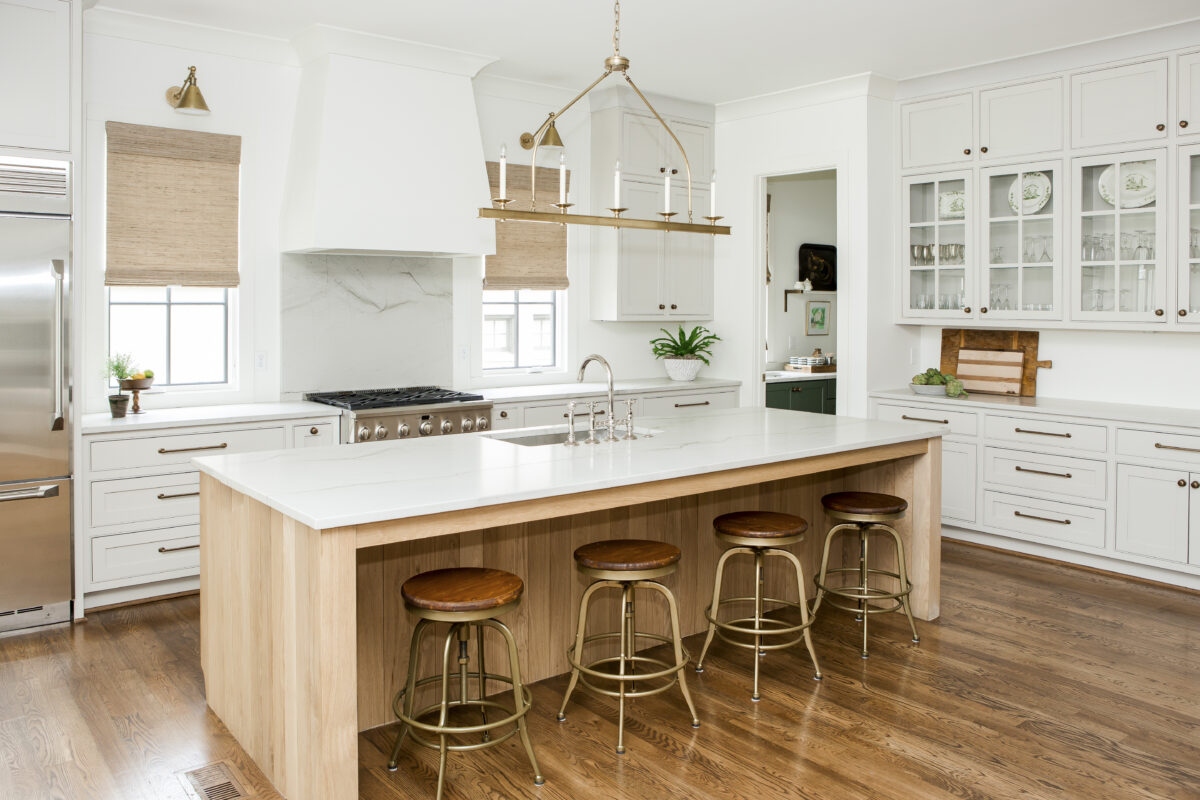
{"points": [[703, 49]]}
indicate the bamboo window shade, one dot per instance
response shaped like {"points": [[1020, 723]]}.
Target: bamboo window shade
{"points": [[529, 255], [172, 207]]}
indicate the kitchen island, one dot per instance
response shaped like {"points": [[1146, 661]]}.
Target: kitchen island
{"points": [[304, 633]]}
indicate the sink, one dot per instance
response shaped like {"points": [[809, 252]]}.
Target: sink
{"points": [[535, 439], [540, 437]]}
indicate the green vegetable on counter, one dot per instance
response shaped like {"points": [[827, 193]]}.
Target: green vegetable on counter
{"points": [[934, 377]]}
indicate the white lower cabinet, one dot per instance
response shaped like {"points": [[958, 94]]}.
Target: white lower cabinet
{"points": [[1045, 520], [508, 415], [675, 403], [1080, 478], [155, 555], [1153, 512], [959, 467]]}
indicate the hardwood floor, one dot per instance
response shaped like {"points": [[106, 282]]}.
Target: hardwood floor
{"points": [[1038, 681]]}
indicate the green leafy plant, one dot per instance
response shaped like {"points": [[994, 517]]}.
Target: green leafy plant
{"points": [[119, 366], [934, 377], [697, 344]]}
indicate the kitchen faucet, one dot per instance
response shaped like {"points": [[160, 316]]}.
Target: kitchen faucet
{"points": [[611, 423]]}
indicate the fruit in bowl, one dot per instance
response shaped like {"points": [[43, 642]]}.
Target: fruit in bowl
{"points": [[142, 379], [934, 382]]}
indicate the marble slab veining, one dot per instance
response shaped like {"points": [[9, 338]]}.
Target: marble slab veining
{"points": [[327, 487]]}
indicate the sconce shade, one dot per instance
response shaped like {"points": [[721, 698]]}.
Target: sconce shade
{"points": [[187, 99], [551, 138]]}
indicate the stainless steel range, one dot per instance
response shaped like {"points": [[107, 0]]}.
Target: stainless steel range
{"points": [[408, 413]]}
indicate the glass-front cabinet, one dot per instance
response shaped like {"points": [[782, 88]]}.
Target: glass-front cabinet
{"points": [[1188, 305], [1119, 271], [1021, 241], [939, 273]]}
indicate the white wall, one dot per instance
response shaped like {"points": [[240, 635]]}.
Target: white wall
{"points": [[803, 210]]}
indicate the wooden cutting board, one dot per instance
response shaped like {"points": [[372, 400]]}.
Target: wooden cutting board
{"points": [[955, 340], [991, 371]]}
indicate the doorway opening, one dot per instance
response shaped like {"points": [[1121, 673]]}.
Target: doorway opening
{"points": [[800, 354]]}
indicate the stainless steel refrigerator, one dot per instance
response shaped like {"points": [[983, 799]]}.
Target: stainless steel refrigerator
{"points": [[35, 427]]}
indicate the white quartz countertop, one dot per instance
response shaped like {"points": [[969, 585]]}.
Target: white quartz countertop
{"points": [[565, 391], [327, 487], [152, 418], [1092, 409], [787, 376]]}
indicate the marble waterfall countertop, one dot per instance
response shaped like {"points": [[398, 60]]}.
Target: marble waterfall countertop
{"points": [[327, 487]]}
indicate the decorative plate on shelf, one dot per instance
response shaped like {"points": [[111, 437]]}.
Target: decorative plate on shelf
{"points": [[952, 205], [1034, 190], [1138, 184]]}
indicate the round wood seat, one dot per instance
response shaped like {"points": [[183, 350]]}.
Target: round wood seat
{"points": [[760, 524], [627, 555], [864, 503], [462, 589]]}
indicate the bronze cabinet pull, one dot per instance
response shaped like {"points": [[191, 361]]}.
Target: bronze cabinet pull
{"points": [[1196, 484], [661, 306], [967, 310], [162, 496], [503, 415], [1019, 468], [1183, 312], [1161, 446], [1043, 433], [966, 151], [922, 419], [983, 149], [689, 405], [797, 388], [1042, 519], [177, 549], [1183, 123], [674, 307], [220, 446], [1158, 312], [314, 430], [1160, 127], [1182, 483]]}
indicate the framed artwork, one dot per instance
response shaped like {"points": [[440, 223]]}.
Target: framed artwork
{"points": [[817, 323], [818, 263]]}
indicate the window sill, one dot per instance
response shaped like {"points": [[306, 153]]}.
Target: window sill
{"points": [[492, 379]]}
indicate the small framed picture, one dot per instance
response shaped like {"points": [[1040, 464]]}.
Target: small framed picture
{"points": [[818, 318]]}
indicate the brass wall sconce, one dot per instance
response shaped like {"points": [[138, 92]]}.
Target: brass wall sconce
{"points": [[187, 99]]}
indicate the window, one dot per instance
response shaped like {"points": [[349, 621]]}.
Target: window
{"points": [[520, 328], [182, 333]]}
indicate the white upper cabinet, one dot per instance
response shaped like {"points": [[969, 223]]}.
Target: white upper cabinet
{"points": [[1119, 104], [647, 149], [1188, 121], [937, 131], [1021, 232], [687, 290], [938, 254], [1188, 299], [1021, 120], [35, 74]]}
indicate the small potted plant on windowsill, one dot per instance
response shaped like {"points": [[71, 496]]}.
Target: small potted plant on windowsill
{"points": [[683, 354], [120, 367]]}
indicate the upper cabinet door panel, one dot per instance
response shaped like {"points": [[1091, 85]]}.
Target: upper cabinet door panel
{"points": [[937, 131], [642, 151], [1120, 104], [697, 140], [35, 74], [1021, 120], [1189, 95]]}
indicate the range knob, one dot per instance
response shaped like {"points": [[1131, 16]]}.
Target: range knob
{"points": [[402, 431], [447, 426], [482, 424], [426, 428], [381, 432], [364, 434], [467, 425]]}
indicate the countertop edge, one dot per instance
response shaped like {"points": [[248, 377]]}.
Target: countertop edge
{"points": [[195, 416]]}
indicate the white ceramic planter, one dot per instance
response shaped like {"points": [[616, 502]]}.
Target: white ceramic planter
{"points": [[682, 369]]}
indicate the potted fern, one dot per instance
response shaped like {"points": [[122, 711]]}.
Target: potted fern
{"points": [[683, 354]]}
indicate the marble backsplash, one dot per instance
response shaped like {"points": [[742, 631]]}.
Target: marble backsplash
{"points": [[365, 322]]}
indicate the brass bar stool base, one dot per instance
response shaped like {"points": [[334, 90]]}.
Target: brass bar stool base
{"points": [[759, 626], [862, 599], [627, 678], [413, 725]]}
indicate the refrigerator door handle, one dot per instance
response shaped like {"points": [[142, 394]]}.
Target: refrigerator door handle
{"points": [[37, 492], [58, 270]]}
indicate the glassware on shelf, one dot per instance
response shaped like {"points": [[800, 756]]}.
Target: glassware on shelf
{"points": [[997, 255]]}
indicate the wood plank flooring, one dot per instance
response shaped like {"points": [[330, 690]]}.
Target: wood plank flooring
{"points": [[1038, 681]]}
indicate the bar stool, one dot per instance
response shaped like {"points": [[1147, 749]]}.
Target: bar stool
{"points": [[466, 597], [759, 534], [627, 564], [866, 513]]}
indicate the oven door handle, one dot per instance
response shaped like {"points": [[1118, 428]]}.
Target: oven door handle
{"points": [[36, 493]]}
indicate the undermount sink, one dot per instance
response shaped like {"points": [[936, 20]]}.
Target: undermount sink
{"points": [[558, 435], [534, 439]]}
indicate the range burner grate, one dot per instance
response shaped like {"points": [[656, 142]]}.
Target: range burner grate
{"points": [[391, 398]]}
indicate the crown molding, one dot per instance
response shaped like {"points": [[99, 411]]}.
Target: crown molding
{"points": [[316, 41], [187, 36], [864, 84]]}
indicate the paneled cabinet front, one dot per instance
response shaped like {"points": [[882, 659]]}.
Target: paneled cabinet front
{"points": [[814, 396], [1118, 105], [1021, 119], [1153, 512], [937, 246], [938, 131], [35, 74]]}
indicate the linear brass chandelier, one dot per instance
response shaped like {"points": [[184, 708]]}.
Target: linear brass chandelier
{"points": [[547, 136]]}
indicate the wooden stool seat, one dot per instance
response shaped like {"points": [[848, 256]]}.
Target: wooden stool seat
{"points": [[760, 524], [627, 555], [462, 589], [864, 503]]}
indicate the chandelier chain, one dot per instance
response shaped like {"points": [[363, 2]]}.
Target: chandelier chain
{"points": [[617, 27]]}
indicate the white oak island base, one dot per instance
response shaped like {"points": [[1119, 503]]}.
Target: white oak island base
{"points": [[304, 634]]}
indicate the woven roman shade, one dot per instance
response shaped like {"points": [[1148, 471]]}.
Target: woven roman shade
{"points": [[172, 207], [529, 255]]}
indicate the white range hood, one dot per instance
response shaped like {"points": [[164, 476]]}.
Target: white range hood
{"points": [[386, 157]]}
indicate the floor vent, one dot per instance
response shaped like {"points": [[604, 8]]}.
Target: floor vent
{"points": [[217, 781]]}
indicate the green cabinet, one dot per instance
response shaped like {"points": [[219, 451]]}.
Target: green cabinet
{"points": [[818, 397]]}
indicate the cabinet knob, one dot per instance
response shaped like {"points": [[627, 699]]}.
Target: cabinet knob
{"points": [[967, 152], [674, 307], [983, 310], [661, 306], [1196, 484], [1160, 127], [1183, 123], [1182, 482], [1183, 312], [967, 310], [983, 149], [1158, 312], [503, 415], [313, 430]]}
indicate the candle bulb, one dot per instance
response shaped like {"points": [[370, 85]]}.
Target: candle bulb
{"points": [[562, 178], [617, 186], [667, 190], [712, 195], [503, 171]]}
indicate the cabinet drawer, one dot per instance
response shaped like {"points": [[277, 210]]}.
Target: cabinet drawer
{"points": [[556, 414], [314, 434], [144, 499], [147, 555], [962, 423], [1159, 446], [1076, 477], [669, 405], [180, 448], [1044, 433], [1044, 519], [511, 416]]}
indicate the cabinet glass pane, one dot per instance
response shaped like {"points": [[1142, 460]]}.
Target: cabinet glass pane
{"points": [[921, 246], [1003, 236], [922, 289], [1037, 243], [1137, 237], [1037, 194], [951, 289], [952, 200], [1137, 288], [1037, 288], [1002, 288], [1193, 300], [1089, 189], [1098, 240], [1097, 283], [952, 247], [1194, 194], [922, 202], [999, 187]]}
